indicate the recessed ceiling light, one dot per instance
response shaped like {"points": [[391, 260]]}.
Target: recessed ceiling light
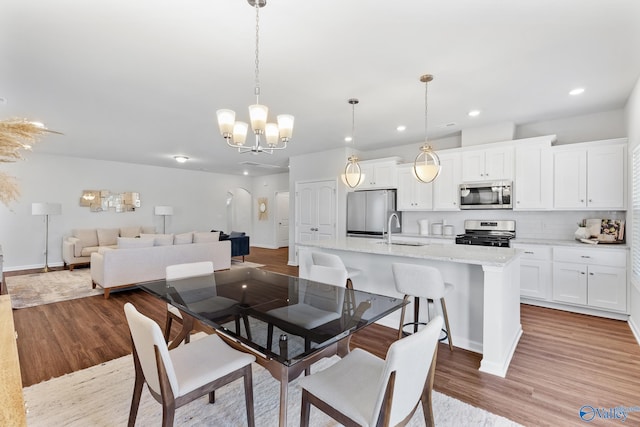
{"points": [[245, 173], [474, 113], [401, 128], [348, 139], [576, 91], [181, 159]]}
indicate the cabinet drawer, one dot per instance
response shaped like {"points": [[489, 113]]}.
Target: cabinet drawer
{"points": [[537, 252], [612, 258]]}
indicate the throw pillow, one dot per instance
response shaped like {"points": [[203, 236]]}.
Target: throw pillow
{"points": [[183, 238], [107, 236], [148, 229], [130, 232], [134, 242], [87, 236], [163, 240], [204, 237]]}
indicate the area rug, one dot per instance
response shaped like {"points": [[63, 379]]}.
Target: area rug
{"points": [[30, 290], [101, 395]]}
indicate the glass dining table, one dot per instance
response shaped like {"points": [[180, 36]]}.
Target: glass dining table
{"points": [[287, 322]]}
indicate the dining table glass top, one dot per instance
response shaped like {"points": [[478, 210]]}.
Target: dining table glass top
{"points": [[282, 317]]}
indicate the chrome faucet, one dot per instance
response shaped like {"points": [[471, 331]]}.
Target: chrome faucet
{"points": [[389, 226]]}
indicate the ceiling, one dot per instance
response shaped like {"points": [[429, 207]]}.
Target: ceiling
{"points": [[140, 80]]}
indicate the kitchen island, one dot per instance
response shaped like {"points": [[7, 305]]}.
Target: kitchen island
{"points": [[483, 308]]}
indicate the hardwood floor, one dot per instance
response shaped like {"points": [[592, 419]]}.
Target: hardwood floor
{"points": [[564, 360]]}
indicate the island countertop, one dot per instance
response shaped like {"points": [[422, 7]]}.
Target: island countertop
{"points": [[466, 254]]}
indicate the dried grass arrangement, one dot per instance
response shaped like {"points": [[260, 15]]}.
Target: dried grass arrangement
{"points": [[16, 136]]}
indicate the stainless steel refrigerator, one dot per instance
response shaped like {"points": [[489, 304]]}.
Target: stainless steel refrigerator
{"points": [[368, 212]]}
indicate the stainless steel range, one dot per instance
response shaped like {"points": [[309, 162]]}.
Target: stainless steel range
{"points": [[487, 233]]}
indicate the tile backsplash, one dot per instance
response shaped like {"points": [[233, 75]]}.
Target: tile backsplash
{"points": [[559, 225]]}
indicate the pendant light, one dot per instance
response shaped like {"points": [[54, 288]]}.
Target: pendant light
{"points": [[234, 132], [353, 176], [426, 166]]}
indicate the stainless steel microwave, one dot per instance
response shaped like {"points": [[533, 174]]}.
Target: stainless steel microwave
{"points": [[486, 195]]}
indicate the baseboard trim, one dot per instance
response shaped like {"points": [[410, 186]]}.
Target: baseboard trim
{"points": [[264, 246]]}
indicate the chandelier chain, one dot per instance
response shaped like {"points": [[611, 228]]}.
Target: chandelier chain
{"points": [[257, 71]]}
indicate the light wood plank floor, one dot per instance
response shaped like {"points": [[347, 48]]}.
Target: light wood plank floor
{"points": [[564, 360]]}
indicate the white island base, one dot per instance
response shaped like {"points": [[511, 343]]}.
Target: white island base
{"points": [[483, 308]]}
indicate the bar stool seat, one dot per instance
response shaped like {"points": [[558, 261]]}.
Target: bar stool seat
{"points": [[421, 281]]}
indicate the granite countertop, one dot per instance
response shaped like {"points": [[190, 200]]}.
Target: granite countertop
{"points": [[464, 254], [569, 243]]}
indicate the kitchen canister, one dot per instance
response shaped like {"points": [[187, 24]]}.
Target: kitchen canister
{"points": [[424, 226], [448, 230], [436, 229]]}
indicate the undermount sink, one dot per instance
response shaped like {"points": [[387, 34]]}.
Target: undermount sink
{"points": [[402, 243]]}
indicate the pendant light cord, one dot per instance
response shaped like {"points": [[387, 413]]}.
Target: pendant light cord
{"points": [[257, 71], [426, 92]]}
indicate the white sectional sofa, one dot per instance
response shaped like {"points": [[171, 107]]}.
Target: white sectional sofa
{"points": [[77, 248], [143, 259]]}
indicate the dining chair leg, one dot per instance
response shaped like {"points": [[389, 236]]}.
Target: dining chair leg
{"points": [[212, 397], [168, 414], [305, 409], [137, 390], [248, 396]]}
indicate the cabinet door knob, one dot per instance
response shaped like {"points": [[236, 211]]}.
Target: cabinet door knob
{"points": [[585, 256], [582, 272], [528, 252], [590, 274], [590, 200]]}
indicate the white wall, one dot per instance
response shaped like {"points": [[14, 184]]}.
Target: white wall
{"points": [[633, 131], [264, 232], [198, 198]]}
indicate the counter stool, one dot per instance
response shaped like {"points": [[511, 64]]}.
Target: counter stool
{"points": [[334, 261], [421, 281]]}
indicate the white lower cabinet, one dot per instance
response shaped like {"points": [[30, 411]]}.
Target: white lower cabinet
{"points": [[535, 268], [587, 280], [591, 277]]}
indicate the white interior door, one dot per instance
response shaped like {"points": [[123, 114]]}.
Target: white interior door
{"points": [[315, 210], [282, 219]]}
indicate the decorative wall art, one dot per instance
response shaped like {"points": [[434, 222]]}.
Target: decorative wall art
{"points": [[104, 200], [262, 209]]}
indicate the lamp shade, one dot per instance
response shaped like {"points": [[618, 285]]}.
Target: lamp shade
{"points": [[44, 208], [164, 210]]}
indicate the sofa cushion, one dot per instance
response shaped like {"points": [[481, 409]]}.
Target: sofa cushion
{"points": [[87, 236], [206, 237], [159, 239], [130, 231], [133, 242], [183, 238], [88, 250], [148, 229], [108, 236]]}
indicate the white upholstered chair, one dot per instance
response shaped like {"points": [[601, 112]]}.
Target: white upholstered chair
{"points": [[334, 261], [364, 390], [421, 281], [179, 376], [181, 271], [318, 303]]}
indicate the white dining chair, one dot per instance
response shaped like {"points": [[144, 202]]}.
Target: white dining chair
{"points": [[334, 261], [319, 301], [181, 271], [179, 376], [363, 390]]}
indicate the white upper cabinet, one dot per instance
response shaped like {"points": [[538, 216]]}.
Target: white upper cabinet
{"points": [[590, 175], [379, 174], [445, 187], [533, 184], [413, 195], [487, 164]]}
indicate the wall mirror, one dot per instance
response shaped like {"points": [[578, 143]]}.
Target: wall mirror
{"points": [[104, 200]]}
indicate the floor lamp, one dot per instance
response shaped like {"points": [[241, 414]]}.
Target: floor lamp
{"points": [[46, 209], [164, 211]]}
